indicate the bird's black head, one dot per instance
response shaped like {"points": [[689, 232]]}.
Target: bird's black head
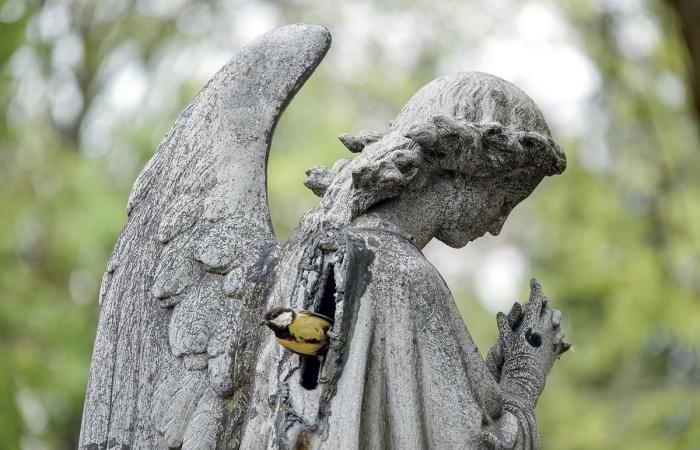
{"points": [[278, 319]]}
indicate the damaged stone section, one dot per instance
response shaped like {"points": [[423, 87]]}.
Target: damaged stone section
{"points": [[334, 280], [332, 275], [353, 278]]}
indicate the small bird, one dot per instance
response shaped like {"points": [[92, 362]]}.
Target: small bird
{"points": [[305, 333]]}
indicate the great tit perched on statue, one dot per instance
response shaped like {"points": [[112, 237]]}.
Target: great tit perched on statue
{"points": [[305, 333]]}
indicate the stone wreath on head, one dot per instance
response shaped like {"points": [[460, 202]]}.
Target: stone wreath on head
{"points": [[469, 124]]}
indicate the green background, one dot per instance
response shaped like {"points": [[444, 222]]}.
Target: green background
{"points": [[88, 89]]}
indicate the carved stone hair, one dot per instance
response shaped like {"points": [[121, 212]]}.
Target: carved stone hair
{"points": [[470, 123], [480, 125]]}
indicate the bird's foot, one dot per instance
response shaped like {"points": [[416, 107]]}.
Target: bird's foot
{"points": [[335, 339]]}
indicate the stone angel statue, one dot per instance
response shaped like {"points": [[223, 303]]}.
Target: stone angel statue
{"points": [[180, 359]]}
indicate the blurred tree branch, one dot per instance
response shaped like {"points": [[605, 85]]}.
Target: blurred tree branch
{"points": [[688, 12]]}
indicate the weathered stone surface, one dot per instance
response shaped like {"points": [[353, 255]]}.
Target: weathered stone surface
{"points": [[180, 360], [199, 206]]}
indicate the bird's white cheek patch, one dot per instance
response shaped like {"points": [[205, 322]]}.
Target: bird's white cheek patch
{"points": [[283, 320]]}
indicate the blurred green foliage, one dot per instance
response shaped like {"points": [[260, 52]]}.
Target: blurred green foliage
{"points": [[616, 244]]}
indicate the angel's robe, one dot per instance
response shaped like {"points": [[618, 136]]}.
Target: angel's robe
{"points": [[409, 373]]}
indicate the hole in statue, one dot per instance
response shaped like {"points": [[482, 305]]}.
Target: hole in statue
{"points": [[327, 305], [311, 367]]}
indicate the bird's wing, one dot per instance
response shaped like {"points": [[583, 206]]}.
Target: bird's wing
{"points": [[309, 329], [315, 314], [174, 355]]}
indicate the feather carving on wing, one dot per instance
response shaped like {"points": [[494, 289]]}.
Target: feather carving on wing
{"points": [[186, 284]]}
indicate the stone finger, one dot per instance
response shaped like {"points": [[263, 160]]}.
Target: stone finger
{"points": [[503, 325], [556, 317], [546, 314], [537, 300], [515, 316]]}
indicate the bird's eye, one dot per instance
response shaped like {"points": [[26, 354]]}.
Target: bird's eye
{"points": [[533, 338]]}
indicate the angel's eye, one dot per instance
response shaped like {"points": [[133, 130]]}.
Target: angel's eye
{"points": [[533, 338]]}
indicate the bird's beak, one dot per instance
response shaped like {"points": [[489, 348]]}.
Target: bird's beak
{"points": [[262, 322]]}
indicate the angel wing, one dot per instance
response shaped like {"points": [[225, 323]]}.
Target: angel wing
{"points": [[184, 289]]}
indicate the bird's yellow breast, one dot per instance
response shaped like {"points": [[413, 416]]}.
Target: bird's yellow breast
{"points": [[308, 335]]}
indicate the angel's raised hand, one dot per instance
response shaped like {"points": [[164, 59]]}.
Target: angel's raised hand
{"points": [[530, 343]]}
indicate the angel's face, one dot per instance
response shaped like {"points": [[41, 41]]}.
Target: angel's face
{"points": [[476, 208]]}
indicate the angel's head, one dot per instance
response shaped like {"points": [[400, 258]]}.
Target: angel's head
{"points": [[470, 146]]}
